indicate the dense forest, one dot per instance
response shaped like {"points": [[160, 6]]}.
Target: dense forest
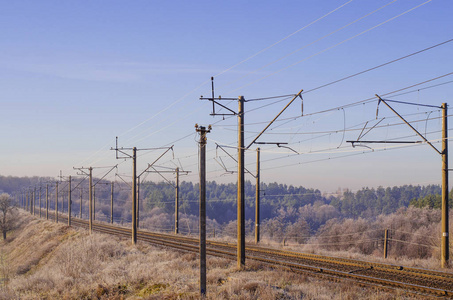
{"points": [[276, 199], [372, 202]]}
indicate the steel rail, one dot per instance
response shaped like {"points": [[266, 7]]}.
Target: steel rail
{"points": [[358, 263]]}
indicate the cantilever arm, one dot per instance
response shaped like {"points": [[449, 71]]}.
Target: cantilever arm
{"points": [[268, 125], [233, 159], [115, 166], [418, 133]]}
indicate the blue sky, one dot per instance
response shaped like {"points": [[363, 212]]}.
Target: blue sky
{"points": [[75, 74]]}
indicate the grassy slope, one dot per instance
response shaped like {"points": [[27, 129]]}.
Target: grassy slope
{"points": [[43, 260]]}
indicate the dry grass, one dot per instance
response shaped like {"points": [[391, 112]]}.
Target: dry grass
{"points": [[50, 261]]}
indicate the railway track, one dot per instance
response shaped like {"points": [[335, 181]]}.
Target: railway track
{"points": [[423, 281]]}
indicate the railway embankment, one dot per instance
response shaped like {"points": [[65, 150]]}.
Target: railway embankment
{"points": [[44, 260]]}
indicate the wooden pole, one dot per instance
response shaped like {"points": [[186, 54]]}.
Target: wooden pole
{"points": [[90, 204], [40, 190], [69, 202], [56, 202], [47, 201], [81, 192], [134, 196], [94, 203], [240, 188], [177, 202], [34, 200], [257, 198], [138, 202], [111, 204], [445, 238]]}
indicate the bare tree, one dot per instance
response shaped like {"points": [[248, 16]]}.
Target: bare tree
{"points": [[6, 214]]}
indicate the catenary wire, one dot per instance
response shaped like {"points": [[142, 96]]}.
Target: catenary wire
{"points": [[307, 45], [334, 46]]}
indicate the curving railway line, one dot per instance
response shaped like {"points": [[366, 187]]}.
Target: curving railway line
{"points": [[422, 281]]}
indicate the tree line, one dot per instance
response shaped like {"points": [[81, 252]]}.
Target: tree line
{"points": [[275, 198]]}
